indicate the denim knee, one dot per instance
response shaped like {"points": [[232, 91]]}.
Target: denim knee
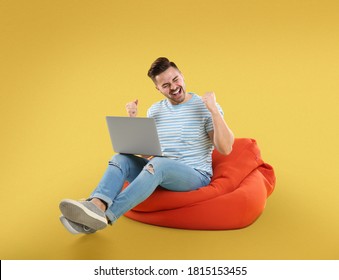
{"points": [[119, 161], [155, 165]]}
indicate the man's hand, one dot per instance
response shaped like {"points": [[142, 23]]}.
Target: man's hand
{"points": [[146, 157], [132, 108], [210, 102]]}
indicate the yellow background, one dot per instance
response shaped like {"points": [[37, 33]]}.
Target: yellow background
{"points": [[66, 64]]}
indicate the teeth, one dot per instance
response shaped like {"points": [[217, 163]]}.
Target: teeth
{"points": [[177, 91]]}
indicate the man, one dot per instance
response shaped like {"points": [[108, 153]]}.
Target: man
{"points": [[189, 127]]}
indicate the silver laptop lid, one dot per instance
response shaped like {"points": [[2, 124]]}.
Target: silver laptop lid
{"points": [[137, 136]]}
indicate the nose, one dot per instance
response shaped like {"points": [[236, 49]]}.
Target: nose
{"points": [[172, 86]]}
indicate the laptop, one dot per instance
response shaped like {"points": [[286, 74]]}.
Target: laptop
{"points": [[136, 136]]}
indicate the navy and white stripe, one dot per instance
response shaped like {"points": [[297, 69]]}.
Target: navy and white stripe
{"points": [[183, 132]]}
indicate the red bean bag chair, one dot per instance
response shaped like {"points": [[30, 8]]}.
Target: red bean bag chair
{"points": [[234, 199]]}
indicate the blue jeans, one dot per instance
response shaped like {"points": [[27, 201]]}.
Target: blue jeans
{"points": [[144, 176]]}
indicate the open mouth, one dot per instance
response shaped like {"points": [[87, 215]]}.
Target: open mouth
{"points": [[177, 92]]}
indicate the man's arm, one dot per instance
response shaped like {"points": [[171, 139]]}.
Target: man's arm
{"points": [[222, 136]]}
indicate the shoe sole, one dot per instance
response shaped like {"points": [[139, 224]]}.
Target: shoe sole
{"points": [[66, 224], [78, 213]]}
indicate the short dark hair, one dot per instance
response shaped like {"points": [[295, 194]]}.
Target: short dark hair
{"points": [[160, 65]]}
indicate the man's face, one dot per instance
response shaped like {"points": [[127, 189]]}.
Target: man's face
{"points": [[171, 84]]}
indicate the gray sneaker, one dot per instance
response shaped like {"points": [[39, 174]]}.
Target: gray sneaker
{"points": [[75, 228], [83, 212]]}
